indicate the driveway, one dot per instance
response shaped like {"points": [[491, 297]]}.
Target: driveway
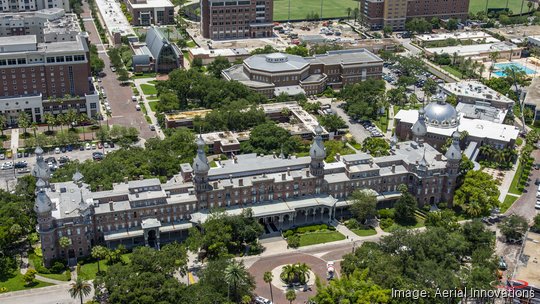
{"points": [[357, 131]]}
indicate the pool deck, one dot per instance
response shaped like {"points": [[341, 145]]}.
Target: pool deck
{"points": [[531, 65]]}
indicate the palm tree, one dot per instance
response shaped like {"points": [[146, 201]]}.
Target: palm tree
{"points": [[303, 272], [71, 117], [23, 120], [290, 295], [349, 11], [267, 277], [64, 243], [235, 275], [80, 289], [50, 120], [3, 120], [288, 274], [60, 121], [356, 13], [99, 252]]}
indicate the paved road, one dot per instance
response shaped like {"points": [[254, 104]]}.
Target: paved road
{"points": [[57, 294], [356, 130], [119, 97], [524, 206]]}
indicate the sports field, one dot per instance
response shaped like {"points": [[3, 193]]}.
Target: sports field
{"points": [[480, 5], [300, 8]]}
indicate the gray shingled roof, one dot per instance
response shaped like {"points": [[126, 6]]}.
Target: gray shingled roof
{"points": [[276, 62]]}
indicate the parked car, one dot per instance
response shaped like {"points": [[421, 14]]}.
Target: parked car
{"points": [[152, 128], [99, 145], [19, 155], [106, 145], [97, 156], [133, 98], [81, 148], [261, 300], [26, 154], [138, 107], [537, 205], [7, 166], [88, 146], [2, 156], [23, 170], [93, 146], [63, 159], [57, 150], [502, 264], [21, 164]]}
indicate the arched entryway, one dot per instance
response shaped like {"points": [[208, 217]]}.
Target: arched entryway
{"points": [[152, 238]]}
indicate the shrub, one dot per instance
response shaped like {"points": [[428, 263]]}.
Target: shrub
{"points": [[42, 269], [352, 224], [288, 233], [331, 228], [3, 289], [57, 267], [519, 141], [387, 222], [68, 275], [387, 213], [293, 241]]}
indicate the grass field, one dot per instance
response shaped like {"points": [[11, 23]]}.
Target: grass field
{"points": [[320, 237], [15, 282], [395, 226], [148, 89], [508, 201], [452, 71], [364, 232], [300, 8], [480, 5], [515, 182]]}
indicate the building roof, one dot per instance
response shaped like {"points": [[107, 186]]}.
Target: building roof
{"points": [[474, 49], [476, 90], [533, 93], [151, 4], [454, 35], [475, 127], [440, 113], [346, 57], [276, 62], [481, 111], [155, 41], [527, 268], [251, 164], [289, 90]]}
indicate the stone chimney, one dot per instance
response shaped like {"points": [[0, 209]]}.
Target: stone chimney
{"points": [[393, 168]]}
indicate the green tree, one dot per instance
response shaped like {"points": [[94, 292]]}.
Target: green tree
{"points": [[514, 227], [123, 75], [267, 49], [219, 64], [23, 120], [290, 295], [478, 194], [364, 205], [65, 243], [387, 30], [268, 277], [269, 137], [536, 223], [332, 122], [235, 276], [3, 121], [354, 288], [71, 118], [376, 146], [298, 50], [405, 208], [80, 289], [99, 253], [452, 24], [50, 120]]}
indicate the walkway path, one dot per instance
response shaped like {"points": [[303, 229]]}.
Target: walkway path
{"points": [[24, 268], [390, 122], [14, 140], [149, 111]]}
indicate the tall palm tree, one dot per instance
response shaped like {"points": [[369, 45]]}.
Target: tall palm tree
{"points": [[99, 253], [290, 295], [303, 272], [288, 274], [349, 11], [267, 277], [235, 275], [80, 289]]}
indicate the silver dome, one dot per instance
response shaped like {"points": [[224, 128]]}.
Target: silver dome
{"points": [[441, 114]]}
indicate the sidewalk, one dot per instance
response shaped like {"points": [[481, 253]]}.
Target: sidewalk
{"points": [[149, 111], [14, 140]]}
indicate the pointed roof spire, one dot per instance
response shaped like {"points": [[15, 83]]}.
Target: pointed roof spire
{"points": [[317, 150], [423, 164], [453, 153]]}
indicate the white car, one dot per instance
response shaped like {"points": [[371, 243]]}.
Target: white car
{"points": [[93, 146], [133, 98], [261, 300], [87, 146], [7, 166], [57, 150], [2, 156], [537, 206]]}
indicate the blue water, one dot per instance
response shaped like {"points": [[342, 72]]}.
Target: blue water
{"points": [[514, 65]]}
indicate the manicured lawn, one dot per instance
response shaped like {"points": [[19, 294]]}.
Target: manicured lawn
{"points": [[153, 105], [515, 182], [15, 282], [300, 8], [364, 232], [480, 5], [508, 201], [148, 89], [89, 270], [37, 260], [395, 226], [153, 82], [144, 75], [320, 237], [452, 71]]}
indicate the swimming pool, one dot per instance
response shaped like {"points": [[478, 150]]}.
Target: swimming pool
{"points": [[513, 65]]}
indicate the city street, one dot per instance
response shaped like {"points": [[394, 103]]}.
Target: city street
{"points": [[119, 96]]}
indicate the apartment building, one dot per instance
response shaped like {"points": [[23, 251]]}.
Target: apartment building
{"points": [[40, 78], [277, 73], [281, 192], [235, 19], [12, 6], [48, 25], [395, 13]]}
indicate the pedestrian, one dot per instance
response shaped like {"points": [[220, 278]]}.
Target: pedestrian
{"points": [[347, 237]]}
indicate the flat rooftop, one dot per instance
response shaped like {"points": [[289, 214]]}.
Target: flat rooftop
{"points": [[475, 49], [455, 35], [533, 93], [151, 4], [475, 127], [476, 90], [219, 52], [352, 56], [529, 261]]}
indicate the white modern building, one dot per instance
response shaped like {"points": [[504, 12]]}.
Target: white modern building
{"points": [[472, 92], [476, 37], [11, 6], [479, 52]]}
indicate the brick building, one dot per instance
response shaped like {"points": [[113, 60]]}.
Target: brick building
{"points": [[281, 191], [11, 6], [41, 78], [273, 74], [378, 13], [151, 12], [233, 19]]}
